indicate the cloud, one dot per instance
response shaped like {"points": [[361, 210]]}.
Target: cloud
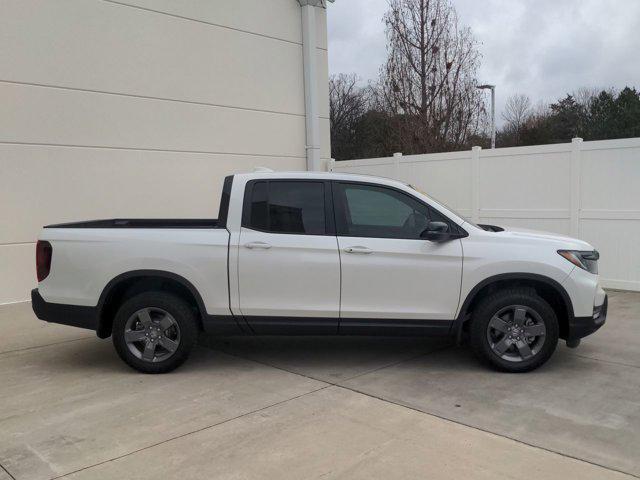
{"points": [[542, 48]]}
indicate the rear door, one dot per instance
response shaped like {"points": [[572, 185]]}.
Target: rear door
{"points": [[389, 273], [288, 264]]}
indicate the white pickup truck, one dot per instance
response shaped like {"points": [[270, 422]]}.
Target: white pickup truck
{"points": [[318, 254]]}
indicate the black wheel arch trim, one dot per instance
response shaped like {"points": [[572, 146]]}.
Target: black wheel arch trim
{"points": [[209, 322], [462, 314]]}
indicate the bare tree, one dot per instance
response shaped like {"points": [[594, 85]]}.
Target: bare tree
{"points": [[347, 101], [347, 104], [585, 96], [429, 80], [517, 111]]}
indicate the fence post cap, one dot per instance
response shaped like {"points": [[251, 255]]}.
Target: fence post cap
{"points": [[576, 140], [397, 154], [331, 164], [475, 148]]}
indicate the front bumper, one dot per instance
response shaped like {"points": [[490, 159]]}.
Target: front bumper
{"points": [[580, 327], [73, 315]]}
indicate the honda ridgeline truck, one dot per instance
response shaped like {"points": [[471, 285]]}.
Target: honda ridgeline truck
{"points": [[319, 254]]}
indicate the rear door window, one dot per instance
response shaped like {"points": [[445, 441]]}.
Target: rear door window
{"points": [[286, 207]]}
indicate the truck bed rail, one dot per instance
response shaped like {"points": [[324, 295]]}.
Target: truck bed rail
{"points": [[143, 223]]}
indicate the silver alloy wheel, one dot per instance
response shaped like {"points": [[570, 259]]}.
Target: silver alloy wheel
{"points": [[152, 334], [516, 333]]}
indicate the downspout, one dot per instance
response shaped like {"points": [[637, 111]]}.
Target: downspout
{"points": [[310, 65]]}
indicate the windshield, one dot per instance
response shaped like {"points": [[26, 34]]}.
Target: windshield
{"points": [[444, 205]]}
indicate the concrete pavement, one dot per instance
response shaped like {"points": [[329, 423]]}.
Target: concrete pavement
{"points": [[311, 407]]}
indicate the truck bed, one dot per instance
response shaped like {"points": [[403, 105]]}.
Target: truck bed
{"points": [[143, 223]]}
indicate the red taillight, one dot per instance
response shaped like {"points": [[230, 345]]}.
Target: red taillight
{"points": [[43, 259]]}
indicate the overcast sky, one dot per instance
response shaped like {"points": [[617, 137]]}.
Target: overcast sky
{"points": [[544, 48]]}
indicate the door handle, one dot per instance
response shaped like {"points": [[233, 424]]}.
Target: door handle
{"points": [[252, 245], [362, 250]]}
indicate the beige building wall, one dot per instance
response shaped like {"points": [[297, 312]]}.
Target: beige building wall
{"points": [[139, 108]]}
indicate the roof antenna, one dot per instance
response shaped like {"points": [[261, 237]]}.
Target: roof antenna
{"points": [[262, 170]]}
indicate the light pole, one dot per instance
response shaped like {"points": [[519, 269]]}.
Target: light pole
{"points": [[493, 111]]}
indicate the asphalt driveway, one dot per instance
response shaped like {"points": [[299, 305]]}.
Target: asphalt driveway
{"points": [[275, 407]]}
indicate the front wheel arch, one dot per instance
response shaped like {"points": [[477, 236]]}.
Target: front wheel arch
{"points": [[514, 330], [547, 288]]}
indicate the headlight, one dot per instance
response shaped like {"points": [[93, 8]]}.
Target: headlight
{"points": [[587, 260]]}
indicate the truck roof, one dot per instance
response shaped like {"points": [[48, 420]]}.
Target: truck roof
{"points": [[320, 175]]}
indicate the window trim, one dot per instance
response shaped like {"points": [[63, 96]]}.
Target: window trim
{"points": [[329, 219], [225, 199], [341, 217]]}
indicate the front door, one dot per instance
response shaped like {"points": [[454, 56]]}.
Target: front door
{"points": [[389, 274], [288, 265]]}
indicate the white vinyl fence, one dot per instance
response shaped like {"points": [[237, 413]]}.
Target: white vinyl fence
{"points": [[589, 190]]}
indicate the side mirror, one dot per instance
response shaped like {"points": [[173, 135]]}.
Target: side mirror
{"points": [[436, 232]]}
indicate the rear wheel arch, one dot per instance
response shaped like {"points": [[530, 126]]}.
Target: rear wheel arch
{"points": [[547, 288], [130, 284], [154, 332]]}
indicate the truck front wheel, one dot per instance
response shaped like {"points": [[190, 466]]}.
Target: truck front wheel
{"points": [[154, 332], [514, 330]]}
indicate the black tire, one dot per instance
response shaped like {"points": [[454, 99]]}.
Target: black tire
{"points": [[183, 332], [487, 341]]}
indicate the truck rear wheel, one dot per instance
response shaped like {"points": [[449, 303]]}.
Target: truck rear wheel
{"points": [[514, 330], [154, 332]]}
